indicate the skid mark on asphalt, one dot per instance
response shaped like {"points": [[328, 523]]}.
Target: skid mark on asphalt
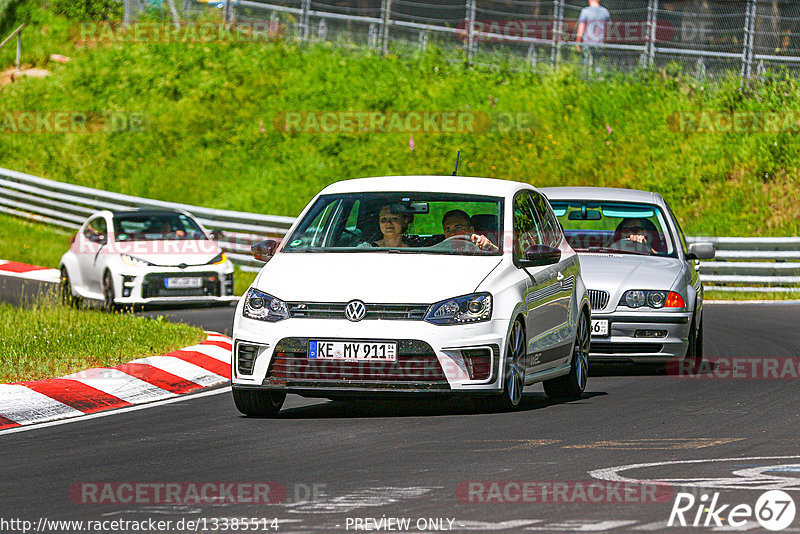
{"points": [[656, 444], [492, 445]]}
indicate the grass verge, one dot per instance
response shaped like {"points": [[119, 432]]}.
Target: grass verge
{"points": [[46, 340], [32, 242]]}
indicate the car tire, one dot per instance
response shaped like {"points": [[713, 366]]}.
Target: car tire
{"points": [[514, 376], [694, 352], [573, 384], [67, 296], [258, 403], [109, 303]]}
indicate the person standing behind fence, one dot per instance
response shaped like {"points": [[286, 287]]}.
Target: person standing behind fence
{"points": [[592, 24]]}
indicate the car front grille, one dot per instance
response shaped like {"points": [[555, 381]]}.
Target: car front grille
{"points": [[598, 299], [335, 310], [416, 364], [153, 285]]}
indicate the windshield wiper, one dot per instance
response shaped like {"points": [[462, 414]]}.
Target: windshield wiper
{"points": [[616, 251]]}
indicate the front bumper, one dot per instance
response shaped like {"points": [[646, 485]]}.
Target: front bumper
{"points": [[431, 360], [147, 285], [627, 344]]}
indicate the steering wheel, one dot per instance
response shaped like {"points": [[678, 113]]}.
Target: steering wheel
{"points": [[458, 242]]}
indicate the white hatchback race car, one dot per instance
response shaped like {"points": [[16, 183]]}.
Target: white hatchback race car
{"points": [[415, 286], [144, 256]]}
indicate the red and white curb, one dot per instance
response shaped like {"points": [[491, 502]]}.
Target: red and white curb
{"points": [[32, 272], [105, 388]]}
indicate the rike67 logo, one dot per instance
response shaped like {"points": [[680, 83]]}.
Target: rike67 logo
{"points": [[774, 510]]}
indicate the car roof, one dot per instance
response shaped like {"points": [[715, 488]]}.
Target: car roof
{"points": [[148, 211], [434, 184], [602, 194]]}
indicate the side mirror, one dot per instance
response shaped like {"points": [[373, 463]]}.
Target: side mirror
{"points": [[264, 250], [701, 251], [539, 255], [214, 235], [100, 239]]}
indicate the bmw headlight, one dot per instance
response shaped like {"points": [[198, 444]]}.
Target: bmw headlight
{"points": [[473, 308], [264, 307], [637, 298], [134, 261]]}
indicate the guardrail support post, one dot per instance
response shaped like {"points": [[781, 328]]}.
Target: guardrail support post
{"points": [[470, 6], [386, 22], [558, 22], [305, 20]]}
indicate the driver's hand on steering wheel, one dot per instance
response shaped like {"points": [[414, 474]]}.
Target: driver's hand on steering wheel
{"points": [[639, 238], [483, 242]]}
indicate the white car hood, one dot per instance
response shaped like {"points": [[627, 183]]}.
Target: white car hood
{"points": [[628, 271], [375, 277], [168, 253]]}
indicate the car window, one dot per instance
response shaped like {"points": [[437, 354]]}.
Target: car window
{"points": [[681, 236], [527, 231], [620, 227], [551, 231], [96, 230], [352, 223], [156, 226]]}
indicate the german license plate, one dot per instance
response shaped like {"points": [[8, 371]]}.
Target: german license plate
{"points": [[183, 282], [599, 327], [352, 350]]}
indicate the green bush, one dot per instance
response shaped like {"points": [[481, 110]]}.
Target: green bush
{"points": [[85, 10]]}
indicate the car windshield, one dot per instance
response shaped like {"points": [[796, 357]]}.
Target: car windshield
{"points": [[155, 227], [626, 228], [404, 222]]}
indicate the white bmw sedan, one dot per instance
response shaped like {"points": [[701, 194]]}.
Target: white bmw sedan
{"points": [[414, 285], [144, 256]]}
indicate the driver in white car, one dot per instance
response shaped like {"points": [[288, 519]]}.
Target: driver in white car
{"points": [[457, 222]]}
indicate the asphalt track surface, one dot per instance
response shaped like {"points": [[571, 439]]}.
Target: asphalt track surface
{"points": [[412, 459]]}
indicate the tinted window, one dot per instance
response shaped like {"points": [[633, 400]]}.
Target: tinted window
{"points": [[155, 226], [527, 231], [551, 231], [96, 230], [369, 222]]}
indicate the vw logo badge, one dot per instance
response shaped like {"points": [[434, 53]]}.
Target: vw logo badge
{"points": [[355, 310]]}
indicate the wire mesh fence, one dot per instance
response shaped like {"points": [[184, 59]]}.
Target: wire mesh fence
{"points": [[701, 37]]}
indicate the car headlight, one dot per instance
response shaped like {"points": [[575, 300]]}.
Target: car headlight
{"points": [[218, 259], [472, 308], [134, 261], [637, 298], [264, 307]]}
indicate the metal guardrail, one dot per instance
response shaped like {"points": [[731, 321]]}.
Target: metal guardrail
{"points": [[741, 264], [68, 206]]}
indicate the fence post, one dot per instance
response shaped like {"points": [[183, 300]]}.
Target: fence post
{"points": [[558, 21], [651, 32], [19, 48], [386, 22], [305, 20], [127, 11], [749, 29], [470, 30]]}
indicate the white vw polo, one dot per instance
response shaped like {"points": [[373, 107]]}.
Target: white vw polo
{"points": [[414, 285]]}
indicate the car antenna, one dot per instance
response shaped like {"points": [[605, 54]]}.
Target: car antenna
{"points": [[455, 171]]}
